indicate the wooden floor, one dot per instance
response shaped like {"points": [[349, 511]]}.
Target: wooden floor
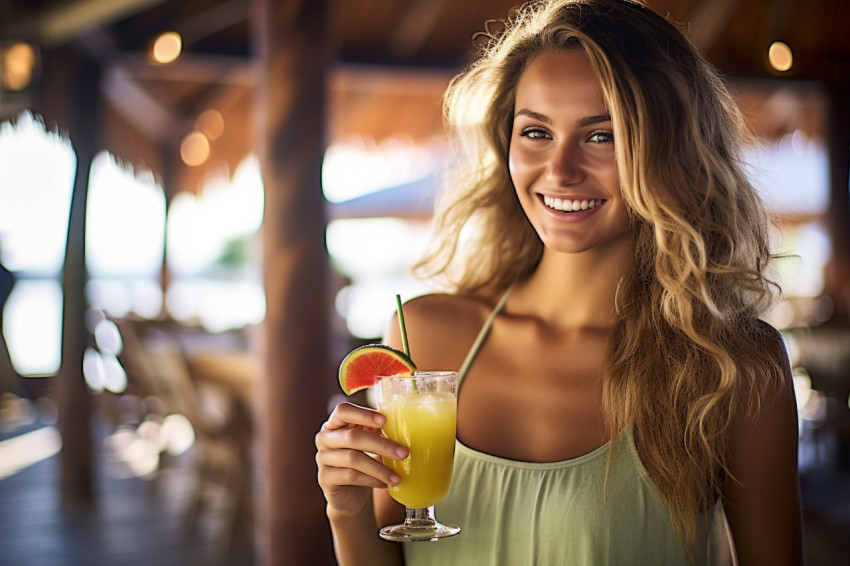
{"points": [[139, 522], [133, 522]]}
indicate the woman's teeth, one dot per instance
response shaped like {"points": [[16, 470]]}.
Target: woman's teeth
{"points": [[570, 205]]}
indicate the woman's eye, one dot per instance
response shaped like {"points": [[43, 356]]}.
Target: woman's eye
{"points": [[601, 137], [534, 133]]}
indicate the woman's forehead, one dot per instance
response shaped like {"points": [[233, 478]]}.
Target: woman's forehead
{"points": [[560, 79]]}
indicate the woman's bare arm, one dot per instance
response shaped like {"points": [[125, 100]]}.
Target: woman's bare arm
{"points": [[348, 474], [763, 497], [356, 540]]}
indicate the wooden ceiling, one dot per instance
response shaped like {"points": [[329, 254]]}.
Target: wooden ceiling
{"points": [[392, 59]]}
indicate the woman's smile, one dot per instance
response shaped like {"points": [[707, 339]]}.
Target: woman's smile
{"points": [[571, 206]]}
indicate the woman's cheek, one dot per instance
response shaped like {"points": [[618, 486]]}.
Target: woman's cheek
{"points": [[517, 167]]}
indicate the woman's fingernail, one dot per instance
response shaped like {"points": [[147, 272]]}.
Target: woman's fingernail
{"points": [[401, 452], [395, 479]]}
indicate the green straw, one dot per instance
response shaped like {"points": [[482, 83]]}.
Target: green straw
{"points": [[401, 326], [404, 345]]}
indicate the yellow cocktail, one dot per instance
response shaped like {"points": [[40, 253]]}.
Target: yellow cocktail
{"points": [[425, 423], [421, 413]]}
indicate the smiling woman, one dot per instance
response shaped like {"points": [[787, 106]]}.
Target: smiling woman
{"points": [[619, 398]]}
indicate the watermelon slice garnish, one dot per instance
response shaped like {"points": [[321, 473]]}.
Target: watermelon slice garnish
{"points": [[364, 366]]}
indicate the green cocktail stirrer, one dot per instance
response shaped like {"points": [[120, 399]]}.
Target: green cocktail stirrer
{"points": [[403, 329], [404, 345]]}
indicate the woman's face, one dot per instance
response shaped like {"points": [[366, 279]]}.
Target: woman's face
{"points": [[561, 157]]}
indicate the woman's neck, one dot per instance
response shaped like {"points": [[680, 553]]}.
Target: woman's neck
{"points": [[576, 290]]}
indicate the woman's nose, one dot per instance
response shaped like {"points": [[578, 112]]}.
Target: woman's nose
{"points": [[564, 167]]}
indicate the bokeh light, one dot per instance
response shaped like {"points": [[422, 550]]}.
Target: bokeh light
{"points": [[167, 47], [20, 62], [211, 123], [195, 149], [780, 56]]}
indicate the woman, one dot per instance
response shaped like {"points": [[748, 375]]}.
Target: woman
{"points": [[620, 398]]}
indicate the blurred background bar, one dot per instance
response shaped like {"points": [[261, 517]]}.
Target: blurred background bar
{"points": [[204, 204]]}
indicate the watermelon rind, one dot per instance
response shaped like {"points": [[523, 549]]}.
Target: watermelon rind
{"points": [[363, 366]]}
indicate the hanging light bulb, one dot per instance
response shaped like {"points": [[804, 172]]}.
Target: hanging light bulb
{"points": [[167, 47], [19, 64], [195, 149], [780, 56]]}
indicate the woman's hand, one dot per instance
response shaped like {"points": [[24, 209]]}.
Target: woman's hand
{"points": [[349, 447]]}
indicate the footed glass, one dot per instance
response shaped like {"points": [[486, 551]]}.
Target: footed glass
{"points": [[421, 414]]}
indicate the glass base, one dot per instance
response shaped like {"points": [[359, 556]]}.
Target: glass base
{"points": [[419, 525]]}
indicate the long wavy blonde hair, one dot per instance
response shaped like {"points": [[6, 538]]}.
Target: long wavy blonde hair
{"points": [[687, 347]]}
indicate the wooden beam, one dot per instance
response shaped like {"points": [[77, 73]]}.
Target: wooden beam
{"points": [[123, 88], [708, 20], [219, 17], [418, 23], [139, 108], [211, 69], [60, 22], [293, 42]]}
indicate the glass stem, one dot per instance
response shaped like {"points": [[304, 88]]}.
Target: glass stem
{"points": [[420, 517]]}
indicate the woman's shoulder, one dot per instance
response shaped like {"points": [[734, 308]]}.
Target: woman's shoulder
{"points": [[771, 379], [445, 311], [771, 343], [441, 327], [441, 304]]}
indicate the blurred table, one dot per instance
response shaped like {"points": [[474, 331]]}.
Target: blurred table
{"points": [[237, 372]]}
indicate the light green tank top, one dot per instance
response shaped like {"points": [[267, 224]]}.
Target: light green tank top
{"points": [[515, 513]]}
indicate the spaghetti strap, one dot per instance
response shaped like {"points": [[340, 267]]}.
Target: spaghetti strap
{"points": [[482, 336]]}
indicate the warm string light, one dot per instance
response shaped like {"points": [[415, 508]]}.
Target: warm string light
{"points": [[20, 61], [167, 47], [780, 56], [195, 148], [211, 123]]}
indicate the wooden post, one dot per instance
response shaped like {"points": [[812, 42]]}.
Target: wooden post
{"points": [[292, 46], [73, 397], [837, 277]]}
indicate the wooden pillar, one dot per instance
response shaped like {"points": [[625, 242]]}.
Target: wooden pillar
{"points": [[292, 46], [837, 279], [73, 397], [169, 151]]}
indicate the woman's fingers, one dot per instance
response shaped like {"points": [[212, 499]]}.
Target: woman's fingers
{"points": [[349, 450], [352, 467], [346, 415], [360, 439]]}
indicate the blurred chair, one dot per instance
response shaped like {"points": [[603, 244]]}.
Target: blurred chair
{"points": [[221, 455]]}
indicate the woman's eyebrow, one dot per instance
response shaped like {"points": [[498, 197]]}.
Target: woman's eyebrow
{"points": [[533, 115], [586, 121], [589, 120]]}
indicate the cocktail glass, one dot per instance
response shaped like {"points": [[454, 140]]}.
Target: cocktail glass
{"points": [[421, 414]]}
